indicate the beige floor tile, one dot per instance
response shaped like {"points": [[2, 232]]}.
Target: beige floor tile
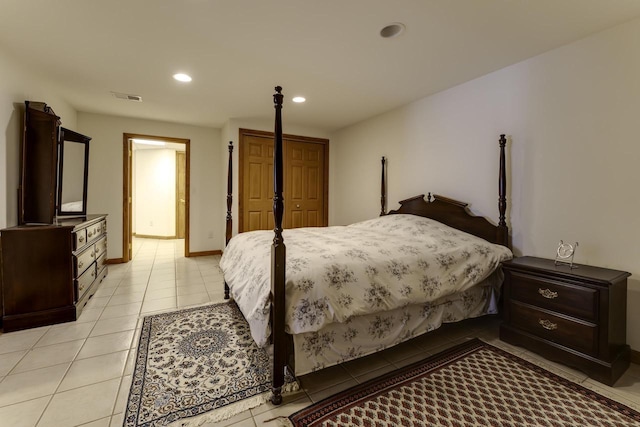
{"points": [[243, 419], [129, 367], [121, 310], [94, 370], [97, 302], [105, 344], [127, 290], [401, 352], [104, 291], [81, 405], [125, 298], [9, 360], [324, 378], [287, 398], [193, 299], [281, 411], [337, 388], [364, 377], [102, 422], [160, 293], [21, 340], [366, 364], [191, 289], [117, 420], [66, 332], [25, 414], [164, 284], [159, 305], [90, 315], [117, 324], [31, 384], [50, 355], [123, 394]]}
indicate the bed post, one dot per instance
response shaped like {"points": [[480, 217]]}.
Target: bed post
{"points": [[278, 254], [229, 201], [383, 191], [503, 232]]}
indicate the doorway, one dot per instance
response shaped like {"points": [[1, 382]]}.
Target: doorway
{"points": [[155, 189], [306, 189]]}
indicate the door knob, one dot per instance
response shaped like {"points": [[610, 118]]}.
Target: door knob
{"points": [[297, 206]]}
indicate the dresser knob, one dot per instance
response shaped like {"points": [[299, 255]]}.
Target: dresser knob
{"points": [[548, 325], [547, 293], [81, 239]]}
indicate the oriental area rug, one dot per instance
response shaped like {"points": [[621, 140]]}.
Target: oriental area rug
{"points": [[195, 366], [473, 384]]}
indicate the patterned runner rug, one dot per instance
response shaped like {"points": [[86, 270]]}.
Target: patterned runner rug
{"points": [[473, 384], [197, 365]]}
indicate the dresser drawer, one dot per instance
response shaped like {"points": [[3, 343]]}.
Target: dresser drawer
{"points": [[102, 262], [84, 260], [100, 247], [582, 336], [79, 239], [578, 301], [86, 279], [94, 231]]}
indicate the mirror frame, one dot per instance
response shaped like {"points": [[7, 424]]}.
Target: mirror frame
{"points": [[67, 135]]}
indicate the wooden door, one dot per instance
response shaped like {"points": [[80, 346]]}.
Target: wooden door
{"points": [[305, 181], [257, 183], [181, 174], [304, 184]]}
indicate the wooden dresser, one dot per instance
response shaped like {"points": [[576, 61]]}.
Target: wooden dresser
{"points": [[49, 272], [575, 316]]}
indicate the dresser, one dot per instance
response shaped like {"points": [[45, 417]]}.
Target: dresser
{"points": [[49, 272], [575, 316]]}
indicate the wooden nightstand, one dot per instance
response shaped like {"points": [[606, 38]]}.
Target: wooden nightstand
{"points": [[577, 316]]}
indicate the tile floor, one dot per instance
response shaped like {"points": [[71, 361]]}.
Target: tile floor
{"points": [[79, 373]]}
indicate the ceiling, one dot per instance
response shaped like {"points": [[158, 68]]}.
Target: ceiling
{"points": [[328, 51]]}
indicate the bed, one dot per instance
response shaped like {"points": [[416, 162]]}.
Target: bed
{"points": [[342, 292]]}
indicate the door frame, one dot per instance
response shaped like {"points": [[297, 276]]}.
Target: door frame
{"points": [[259, 133], [127, 210]]}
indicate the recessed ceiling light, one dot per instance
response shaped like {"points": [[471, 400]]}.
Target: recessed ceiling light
{"points": [[298, 99], [392, 30], [181, 77]]}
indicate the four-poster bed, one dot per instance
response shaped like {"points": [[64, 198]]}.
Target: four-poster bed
{"points": [[387, 279]]}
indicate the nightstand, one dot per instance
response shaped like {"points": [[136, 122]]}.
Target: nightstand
{"points": [[575, 316]]}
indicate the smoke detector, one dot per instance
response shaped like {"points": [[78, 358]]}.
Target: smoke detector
{"points": [[128, 97]]}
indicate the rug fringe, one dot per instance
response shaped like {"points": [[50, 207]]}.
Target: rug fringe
{"points": [[236, 408], [223, 413]]}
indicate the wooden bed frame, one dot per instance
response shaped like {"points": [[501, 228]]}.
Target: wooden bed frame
{"points": [[442, 209]]}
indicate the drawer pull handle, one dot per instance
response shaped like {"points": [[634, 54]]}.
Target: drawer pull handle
{"points": [[548, 325], [80, 264], [547, 293], [81, 239], [81, 288], [90, 234]]}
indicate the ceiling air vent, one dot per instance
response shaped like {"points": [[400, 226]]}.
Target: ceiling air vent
{"points": [[128, 97]]}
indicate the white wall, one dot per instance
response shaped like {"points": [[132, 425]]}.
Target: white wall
{"points": [[155, 192], [105, 175], [17, 84], [571, 115]]}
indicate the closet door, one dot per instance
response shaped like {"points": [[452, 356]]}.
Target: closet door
{"points": [[305, 181], [304, 184]]}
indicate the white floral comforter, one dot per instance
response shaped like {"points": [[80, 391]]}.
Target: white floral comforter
{"points": [[336, 273]]}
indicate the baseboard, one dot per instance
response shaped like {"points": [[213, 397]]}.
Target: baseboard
{"points": [[635, 357], [115, 261], [148, 236], [205, 253]]}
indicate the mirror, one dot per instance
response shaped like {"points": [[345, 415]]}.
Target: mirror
{"points": [[73, 170]]}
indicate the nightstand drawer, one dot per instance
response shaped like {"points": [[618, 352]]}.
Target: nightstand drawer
{"points": [[559, 329], [578, 301]]}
